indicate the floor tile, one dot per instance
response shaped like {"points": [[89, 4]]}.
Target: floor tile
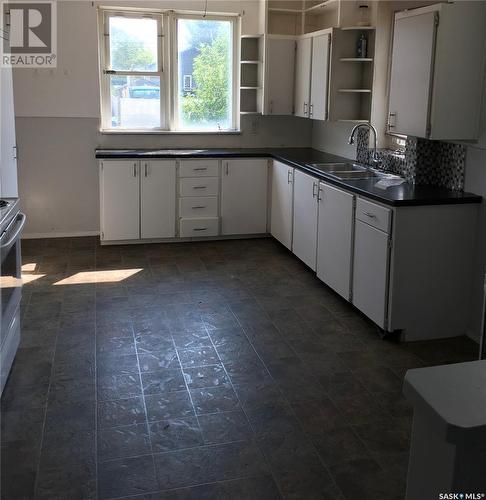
{"points": [[128, 476], [225, 427], [205, 376], [214, 399], [125, 441], [175, 433], [121, 412], [163, 380], [168, 405]]}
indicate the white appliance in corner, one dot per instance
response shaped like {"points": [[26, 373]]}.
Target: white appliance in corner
{"points": [[12, 222]]}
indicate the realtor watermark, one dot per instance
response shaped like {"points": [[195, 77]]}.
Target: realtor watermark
{"points": [[29, 34]]}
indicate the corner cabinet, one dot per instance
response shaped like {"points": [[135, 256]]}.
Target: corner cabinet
{"points": [[137, 199], [444, 78], [304, 241], [244, 186], [282, 203]]}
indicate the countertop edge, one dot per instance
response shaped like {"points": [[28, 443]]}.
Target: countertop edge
{"points": [[112, 154]]}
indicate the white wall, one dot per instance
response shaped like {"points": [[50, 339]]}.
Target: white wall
{"points": [[58, 121]]}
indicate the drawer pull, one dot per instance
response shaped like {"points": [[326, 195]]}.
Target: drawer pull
{"points": [[369, 214], [199, 187], [200, 229], [199, 207], [200, 169]]}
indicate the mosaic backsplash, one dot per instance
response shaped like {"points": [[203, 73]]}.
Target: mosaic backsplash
{"points": [[433, 163]]}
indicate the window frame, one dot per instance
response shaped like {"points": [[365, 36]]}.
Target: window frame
{"points": [[234, 126], [167, 71]]}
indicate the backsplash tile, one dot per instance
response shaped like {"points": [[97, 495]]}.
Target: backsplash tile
{"points": [[427, 162]]}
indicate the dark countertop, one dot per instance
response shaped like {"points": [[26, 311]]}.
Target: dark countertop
{"points": [[405, 194]]}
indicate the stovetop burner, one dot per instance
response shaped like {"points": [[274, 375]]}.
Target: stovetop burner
{"points": [[3, 203]]}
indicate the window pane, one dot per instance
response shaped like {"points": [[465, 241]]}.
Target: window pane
{"points": [[205, 74], [133, 44], [135, 101]]}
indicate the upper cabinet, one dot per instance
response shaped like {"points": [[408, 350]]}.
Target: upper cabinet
{"points": [[279, 76], [303, 62], [437, 71], [8, 144], [312, 76], [320, 76]]}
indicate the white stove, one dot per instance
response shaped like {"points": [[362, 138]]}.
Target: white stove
{"points": [[11, 224]]}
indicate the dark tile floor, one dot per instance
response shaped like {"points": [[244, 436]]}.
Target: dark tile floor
{"points": [[210, 370]]}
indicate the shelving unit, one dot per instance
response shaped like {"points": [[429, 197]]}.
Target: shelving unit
{"points": [[298, 17], [251, 74], [352, 77]]}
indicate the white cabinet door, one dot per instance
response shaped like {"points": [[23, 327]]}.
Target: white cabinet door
{"points": [[303, 61], [370, 272], [279, 76], [320, 77], [411, 76], [8, 149], [120, 196], [304, 242], [282, 201], [335, 238], [244, 196], [158, 199]]}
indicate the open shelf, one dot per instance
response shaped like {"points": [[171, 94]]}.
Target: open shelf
{"points": [[355, 91], [356, 59], [358, 28]]}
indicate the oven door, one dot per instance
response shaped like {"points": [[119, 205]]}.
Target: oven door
{"points": [[10, 273]]}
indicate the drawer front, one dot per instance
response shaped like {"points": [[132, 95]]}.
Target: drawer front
{"points": [[374, 215], [191, 227], [198, 206], [206, 186], [199, 168]]}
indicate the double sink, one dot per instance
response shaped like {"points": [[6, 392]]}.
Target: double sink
{"points": [[352, 171]]}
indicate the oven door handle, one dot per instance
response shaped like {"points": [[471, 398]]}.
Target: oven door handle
{"points": [[20, 221]]}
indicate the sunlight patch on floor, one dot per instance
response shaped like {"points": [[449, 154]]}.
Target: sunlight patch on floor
{"points": [[87, 277]]}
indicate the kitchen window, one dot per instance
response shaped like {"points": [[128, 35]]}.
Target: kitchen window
{"points": [[168, 72]]}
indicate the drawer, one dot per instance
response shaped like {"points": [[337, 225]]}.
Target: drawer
{"points": [[207, 186], [199, 168], [207, 226], [374, 215], [198, 206]]}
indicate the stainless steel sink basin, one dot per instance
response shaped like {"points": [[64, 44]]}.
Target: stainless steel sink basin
{"points": [[338, 167], [351, 170], [356, 174]]}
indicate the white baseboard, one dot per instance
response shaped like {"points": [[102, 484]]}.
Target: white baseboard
{"points": [[70, 234]]}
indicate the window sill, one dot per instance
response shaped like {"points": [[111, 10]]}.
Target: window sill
{"points": [[167, 132]]}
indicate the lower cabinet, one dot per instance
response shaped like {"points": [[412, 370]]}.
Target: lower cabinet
{"points": [[335, 238], [304, 241], [244, 187], [120, 200], [282, 203], [158, 199], [370, 272], [137, 199]]}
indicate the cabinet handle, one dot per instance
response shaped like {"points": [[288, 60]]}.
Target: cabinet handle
{"points": [[271, 107], [198, 207], [199, 187], [319, 191], [311, 110], [146, 170], [369, 214], [392, 116], [315, 189], [134, 170], [305, 108], [289, 176], [198, 169], [200, 229], [226, 168]]}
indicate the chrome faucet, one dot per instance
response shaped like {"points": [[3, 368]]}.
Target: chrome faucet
{"points": [[374, 155]]}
